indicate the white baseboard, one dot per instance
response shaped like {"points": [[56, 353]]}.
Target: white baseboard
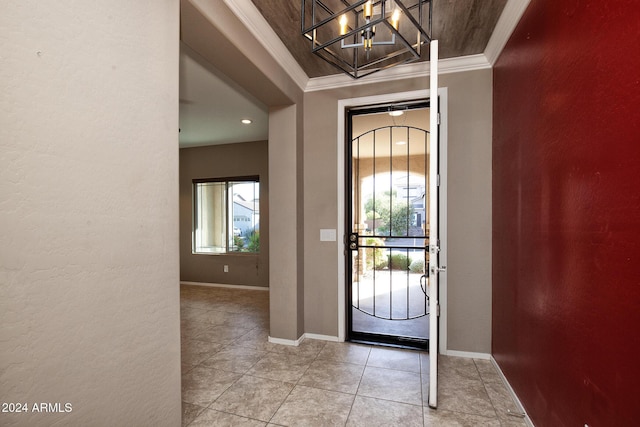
{"points": [[222, 285], [321, 337], [283, 341], [302, 338], [513, 394], [467, 354]]}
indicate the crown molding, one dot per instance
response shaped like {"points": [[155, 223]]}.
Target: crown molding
{"points": [[513, 11], [251, 17], [418, 69]]}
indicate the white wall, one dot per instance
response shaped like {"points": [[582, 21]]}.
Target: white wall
{"points": [[89, 305]]}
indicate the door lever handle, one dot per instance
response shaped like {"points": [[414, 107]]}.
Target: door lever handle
{"points": [[423, 285]]}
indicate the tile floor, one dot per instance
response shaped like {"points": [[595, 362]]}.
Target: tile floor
{"points": [[232, 375]]}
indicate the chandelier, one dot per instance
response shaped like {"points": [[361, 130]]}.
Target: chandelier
{"points": [[361, 37]]}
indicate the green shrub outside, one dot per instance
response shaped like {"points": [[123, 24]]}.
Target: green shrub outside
{"points": [[399, 262], [254, 242], [417, 265], [375, 257], [238, 242]]}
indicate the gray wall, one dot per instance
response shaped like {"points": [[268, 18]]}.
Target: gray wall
{"points": [[286, 286], [89, 312], [469, 211], [469, 205], [222, 161]]}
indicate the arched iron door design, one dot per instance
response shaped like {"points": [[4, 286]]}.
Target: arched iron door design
{"points": [[387, 244]]}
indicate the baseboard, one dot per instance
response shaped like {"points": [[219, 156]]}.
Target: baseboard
{"points": [[513, 394], [282, 341], [321, 337], [467, 354], [222, 285]]}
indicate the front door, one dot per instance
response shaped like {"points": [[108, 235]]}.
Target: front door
{"points": [[388, 223]]}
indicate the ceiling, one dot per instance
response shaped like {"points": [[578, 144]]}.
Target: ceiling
{"points": [[462, 27], [212, 105]]}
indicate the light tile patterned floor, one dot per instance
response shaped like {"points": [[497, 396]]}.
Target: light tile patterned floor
{"points": [[232, 375]]}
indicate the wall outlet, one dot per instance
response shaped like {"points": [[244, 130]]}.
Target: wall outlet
{"points": [[225, 268]]}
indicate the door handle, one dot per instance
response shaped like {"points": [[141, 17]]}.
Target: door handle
{"points": [[435, 269], [423, 285]]}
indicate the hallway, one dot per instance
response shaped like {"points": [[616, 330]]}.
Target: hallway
{"points": [[231, 375]]}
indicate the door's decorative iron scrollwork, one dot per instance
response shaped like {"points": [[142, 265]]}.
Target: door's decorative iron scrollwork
{"points": [[387, 293], [389, 224]]}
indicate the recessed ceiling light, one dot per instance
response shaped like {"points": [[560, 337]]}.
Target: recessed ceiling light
{"points": [[401, 143], [396, 113], [247, 121]]}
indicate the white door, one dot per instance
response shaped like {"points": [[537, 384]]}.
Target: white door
{"points": [[434, 238], [435, 241]]}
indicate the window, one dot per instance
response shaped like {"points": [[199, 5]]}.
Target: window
{"points": [[226, 215]]}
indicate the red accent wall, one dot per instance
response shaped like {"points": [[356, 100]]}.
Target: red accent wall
{"points": [[566, 212]]}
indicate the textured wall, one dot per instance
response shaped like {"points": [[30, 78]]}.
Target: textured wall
{"points": [[469, 211], [285, 293], [469, 205], [566, 222], [89, 306], [223, 161]]}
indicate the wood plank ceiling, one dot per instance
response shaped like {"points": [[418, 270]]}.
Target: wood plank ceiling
{"points": [[462, 27]]}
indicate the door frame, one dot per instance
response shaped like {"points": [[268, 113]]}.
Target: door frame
{"points": [[343, 105]]}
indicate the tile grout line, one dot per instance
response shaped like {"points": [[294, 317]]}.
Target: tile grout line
{"points": [[359, 383], [292, 388], [358, 388], [484, 387]]}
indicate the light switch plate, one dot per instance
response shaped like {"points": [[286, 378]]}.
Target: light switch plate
{"points": [[328, 235]]}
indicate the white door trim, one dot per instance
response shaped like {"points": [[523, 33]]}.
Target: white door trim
{"points": [[343, 104]]}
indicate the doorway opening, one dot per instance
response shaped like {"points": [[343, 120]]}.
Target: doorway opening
{"points": [[387, 224]]}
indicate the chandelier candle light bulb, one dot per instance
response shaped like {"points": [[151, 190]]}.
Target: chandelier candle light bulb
{"points": [[343, 24], [395, 19], [367, 10]]}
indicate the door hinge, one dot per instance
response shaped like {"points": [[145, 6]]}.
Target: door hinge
{"points": [[438, 310], [438, 180], [438, 118]]}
